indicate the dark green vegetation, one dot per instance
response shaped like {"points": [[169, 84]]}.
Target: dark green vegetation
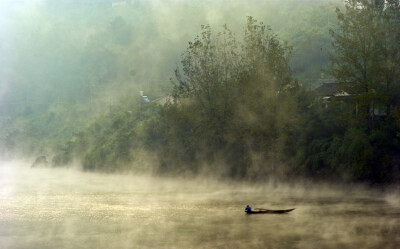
{"points": [[240, 103]]}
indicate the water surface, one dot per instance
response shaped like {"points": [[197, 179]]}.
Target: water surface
{"points": [[67, 208]]}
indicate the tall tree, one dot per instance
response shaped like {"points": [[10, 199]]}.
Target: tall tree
{"points": [[366, 51], [235, 93], [210, 72], [366, 46], [389, 87]]}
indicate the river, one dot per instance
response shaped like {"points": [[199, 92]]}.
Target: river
{"points": [[68, 208]]}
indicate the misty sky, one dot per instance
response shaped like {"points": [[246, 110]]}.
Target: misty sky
{"points": [[161, 30]]}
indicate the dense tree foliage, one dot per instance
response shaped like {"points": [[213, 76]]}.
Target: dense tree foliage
{"points": [[364, 144], [366, 54]]}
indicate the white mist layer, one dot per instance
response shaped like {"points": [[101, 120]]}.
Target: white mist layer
{"points": [[67, 208]]}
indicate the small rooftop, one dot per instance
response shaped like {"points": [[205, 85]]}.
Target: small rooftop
{"points": [[331, 87]]}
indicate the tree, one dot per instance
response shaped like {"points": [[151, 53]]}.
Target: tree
{"points": [[366, 51], [266, 58], [354, 59], [210, 72], [235, 95], [388, 45]]}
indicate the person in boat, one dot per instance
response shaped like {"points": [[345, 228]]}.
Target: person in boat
{"points": [[248, 209]]}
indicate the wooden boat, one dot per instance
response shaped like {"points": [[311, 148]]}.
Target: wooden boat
{"points": [[268, 211]]}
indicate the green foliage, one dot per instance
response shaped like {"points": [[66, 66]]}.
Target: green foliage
{"points": [[365, 60], [112, 141], [365, 53], [229, 101], [235, 108]]}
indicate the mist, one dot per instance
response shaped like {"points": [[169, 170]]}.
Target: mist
{"points": [[152, 124], [60, 51], [65, 64], [66, 208]]}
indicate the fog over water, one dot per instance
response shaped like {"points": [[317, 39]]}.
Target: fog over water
{"points": [[65, 64], [67, 208]]}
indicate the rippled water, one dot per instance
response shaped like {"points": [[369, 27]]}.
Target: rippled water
{"points": [[61, 208]]}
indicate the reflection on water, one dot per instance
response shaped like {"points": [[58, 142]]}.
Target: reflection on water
{"points": [[61, 208]]}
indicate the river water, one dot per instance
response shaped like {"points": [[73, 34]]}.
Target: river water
{"points": [[67, 208]]}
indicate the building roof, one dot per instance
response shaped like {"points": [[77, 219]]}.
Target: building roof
{"points": [[333, 88], [315, 84]]}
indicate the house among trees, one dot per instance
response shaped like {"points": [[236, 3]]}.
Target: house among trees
{"points": [[330, 91], [331, 88]]}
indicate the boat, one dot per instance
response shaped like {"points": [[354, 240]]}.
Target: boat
{"points": [[269, 211]]}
